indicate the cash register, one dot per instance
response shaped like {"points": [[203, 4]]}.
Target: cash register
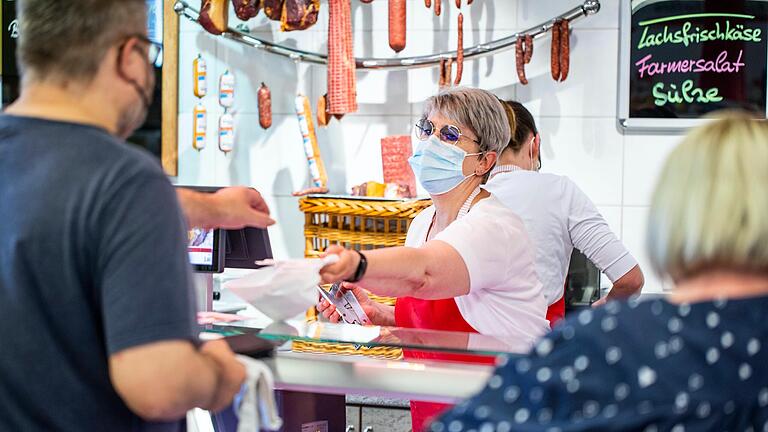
{"points": [[213, 250]]}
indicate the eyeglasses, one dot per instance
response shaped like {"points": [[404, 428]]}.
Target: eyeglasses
{"points": [[448, 134], [154, 50]]}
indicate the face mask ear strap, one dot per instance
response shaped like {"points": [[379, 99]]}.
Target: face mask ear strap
{"points": [[132, 82]]}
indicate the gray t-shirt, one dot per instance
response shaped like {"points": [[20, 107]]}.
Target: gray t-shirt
{"points": [[92, 261]]}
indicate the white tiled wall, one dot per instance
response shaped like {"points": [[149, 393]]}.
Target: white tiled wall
{"points": [[577, 118]]}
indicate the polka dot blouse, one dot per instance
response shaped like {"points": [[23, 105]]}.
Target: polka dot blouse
{"points": [[637, 366]]}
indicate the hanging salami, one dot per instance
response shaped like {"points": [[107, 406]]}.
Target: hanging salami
{"points": [[397, 26], [342, 91], [265, 106], [460, 51], [555, 54], [520, 60], [565, 50]]}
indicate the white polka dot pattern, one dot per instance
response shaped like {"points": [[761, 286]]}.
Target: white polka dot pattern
{"points": [[611, 370]]}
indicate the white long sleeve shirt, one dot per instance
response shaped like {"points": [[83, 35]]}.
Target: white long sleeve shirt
{"points": [[558, 217]]}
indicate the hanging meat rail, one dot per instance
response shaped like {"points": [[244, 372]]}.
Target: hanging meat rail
{"points": [[589, 7]]}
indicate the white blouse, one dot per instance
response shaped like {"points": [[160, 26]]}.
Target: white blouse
{"points": [[558, 217], [505, 297]]}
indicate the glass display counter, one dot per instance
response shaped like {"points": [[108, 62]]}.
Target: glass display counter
{"points": [[436, 366]]}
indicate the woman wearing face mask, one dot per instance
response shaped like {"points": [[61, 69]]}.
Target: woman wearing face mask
{"points": [[558, 217], [467, 264]]}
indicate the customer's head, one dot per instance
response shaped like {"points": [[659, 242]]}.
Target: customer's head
{"points": [[710, 207], [99, 45], [471, 120], [524, 149]]}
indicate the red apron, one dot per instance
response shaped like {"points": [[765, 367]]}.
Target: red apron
{"points": [[433, 315], [556, 312]]}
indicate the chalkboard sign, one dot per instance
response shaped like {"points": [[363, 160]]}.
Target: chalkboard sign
{"points": [[681, 59], [10, 73]]}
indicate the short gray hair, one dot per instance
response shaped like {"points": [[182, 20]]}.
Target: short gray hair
{"points": [[710, 207], [67, 40], [479, 110]]}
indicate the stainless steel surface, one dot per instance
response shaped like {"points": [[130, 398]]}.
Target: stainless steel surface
{"points": [[203, 291], [589, 7], [329, 374]]}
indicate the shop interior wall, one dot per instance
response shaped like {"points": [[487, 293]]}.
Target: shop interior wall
{"points": [[577, 118]]}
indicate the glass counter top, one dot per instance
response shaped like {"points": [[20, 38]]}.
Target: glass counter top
{"points": [[356, 336]]}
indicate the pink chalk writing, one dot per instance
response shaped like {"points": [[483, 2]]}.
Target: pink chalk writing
{"points": [[720, 65]]}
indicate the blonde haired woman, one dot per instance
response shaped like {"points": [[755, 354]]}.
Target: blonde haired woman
{"points": [[695, 361]]}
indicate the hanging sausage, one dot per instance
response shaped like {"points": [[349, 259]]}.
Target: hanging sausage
{"points": [[397, 26], [342, 91], [555, 54], [199, 126], [226, 132], [323, 116], [309, 140], [273, 9], [200, 77], [265, 106], [246, 9], [227, 90], [460, 51], [213, 16], [528, 48], [565, 49], [299, 14], [520, 60]]}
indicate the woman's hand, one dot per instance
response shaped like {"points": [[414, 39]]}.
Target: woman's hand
{"points": [[342, 270], [378, 314]]}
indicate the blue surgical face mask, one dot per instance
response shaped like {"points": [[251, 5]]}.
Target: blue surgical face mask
{"points": [[438, 166]]}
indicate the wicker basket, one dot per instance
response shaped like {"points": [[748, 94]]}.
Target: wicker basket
{"points": [[356, 223], [361, 224]]}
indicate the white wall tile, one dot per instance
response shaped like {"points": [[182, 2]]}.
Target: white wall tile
{"points": [[481, 15], [645, 156], [287, 236], [612, 215], [590, 89], [589, 151], [353, 148], [531, 13], [196, 167], [635, 225], [190, 45]]}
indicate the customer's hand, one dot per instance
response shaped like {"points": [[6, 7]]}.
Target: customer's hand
{"points": [[600, 302], [342, 270], [369, 306], [238, 207], [231, 373]]}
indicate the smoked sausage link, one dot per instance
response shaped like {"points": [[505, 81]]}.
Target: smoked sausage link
{"points": [[528, 49], [397, 11], [520, 61], [265, 106], [438, 7], [565, 50], [460, 51], [555, 55]]}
